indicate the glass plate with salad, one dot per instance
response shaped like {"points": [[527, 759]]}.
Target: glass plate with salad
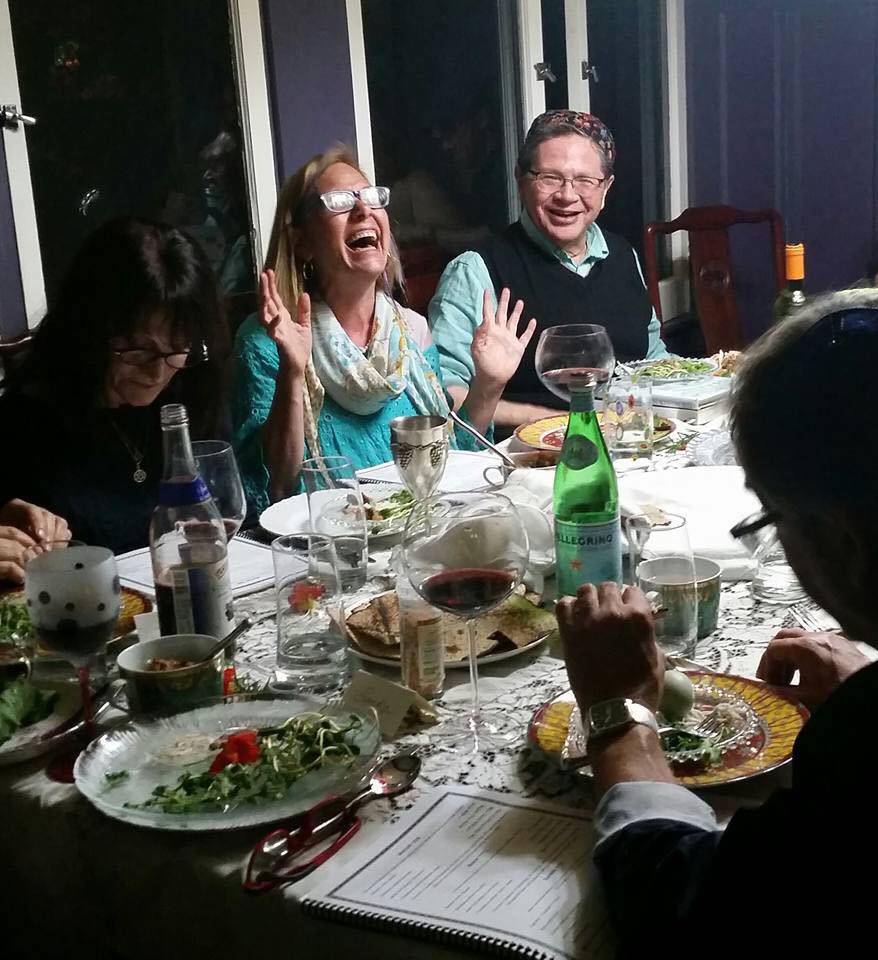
{"points": [[227, 766], [675, 369]]}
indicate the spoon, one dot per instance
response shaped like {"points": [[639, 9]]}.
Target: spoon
{"points": [[483, 440], [242, 627], [389, 779]]}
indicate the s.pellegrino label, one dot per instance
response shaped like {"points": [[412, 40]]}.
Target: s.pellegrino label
{"points": [[585, 501], [187, 541]]}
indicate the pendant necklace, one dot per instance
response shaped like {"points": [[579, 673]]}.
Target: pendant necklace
{"points": [[139, 474]]}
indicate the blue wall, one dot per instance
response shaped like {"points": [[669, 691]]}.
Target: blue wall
{"points": [[309, 78]]}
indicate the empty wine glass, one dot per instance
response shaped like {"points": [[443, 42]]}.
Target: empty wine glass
{"points": [[73, 598], [465, 554], [572, 353], [216, 463]]}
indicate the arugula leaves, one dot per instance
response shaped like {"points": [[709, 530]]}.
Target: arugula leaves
{"points": [[22, 704], [15, 624]]}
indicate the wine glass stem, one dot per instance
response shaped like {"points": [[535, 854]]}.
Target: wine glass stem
{"points": [[475, 710], [85, 690]]}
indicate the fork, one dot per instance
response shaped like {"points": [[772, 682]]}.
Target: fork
{"points": [[805, 618]]}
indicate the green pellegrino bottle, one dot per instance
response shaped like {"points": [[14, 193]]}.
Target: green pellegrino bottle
{"points": [[585, 502]]}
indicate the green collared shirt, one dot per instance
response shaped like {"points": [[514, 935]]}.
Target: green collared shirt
{"points": [[456, 309]]}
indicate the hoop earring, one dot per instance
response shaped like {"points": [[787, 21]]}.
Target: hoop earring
{"points": [[308, 270]]}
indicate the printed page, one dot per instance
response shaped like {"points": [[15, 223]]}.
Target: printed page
{"points": [[250, 567], [494, 866]]}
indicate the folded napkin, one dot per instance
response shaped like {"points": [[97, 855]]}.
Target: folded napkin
{"points": [[712, 499], [531, 492]]}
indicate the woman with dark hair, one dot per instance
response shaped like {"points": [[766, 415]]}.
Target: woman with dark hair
{"points": [[137, 324]]}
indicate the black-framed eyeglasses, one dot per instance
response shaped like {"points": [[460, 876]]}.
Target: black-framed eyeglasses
{"points": [[340, 201], [754, 523], [553, 182], [177, 359]]}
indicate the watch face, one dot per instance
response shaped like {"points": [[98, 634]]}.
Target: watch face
{"points": [[609, 714]]}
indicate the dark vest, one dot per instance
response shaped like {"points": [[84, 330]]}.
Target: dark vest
{"points": [[612, 295]]}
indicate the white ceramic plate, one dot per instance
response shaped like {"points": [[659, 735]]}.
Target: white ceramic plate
{"points": [[140, 748], [484, 660], [291, 515]]}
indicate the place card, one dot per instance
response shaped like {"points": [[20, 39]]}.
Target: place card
{"points": [[392, 702]]}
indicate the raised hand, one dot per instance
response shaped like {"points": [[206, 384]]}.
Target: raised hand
{"points": [[497, 348], [293, 337], [824, 662], [609, 645]]}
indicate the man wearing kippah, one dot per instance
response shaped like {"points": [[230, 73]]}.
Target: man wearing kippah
{"points": [[555, 258]]}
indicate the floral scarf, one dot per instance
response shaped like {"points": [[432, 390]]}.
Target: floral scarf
{"points": [[362, 381]]}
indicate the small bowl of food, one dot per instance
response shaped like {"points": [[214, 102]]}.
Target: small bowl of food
{"points": [[164, 676], [497, 474]]}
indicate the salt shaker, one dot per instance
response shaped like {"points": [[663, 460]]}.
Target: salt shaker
{"points": [[421, 641]]}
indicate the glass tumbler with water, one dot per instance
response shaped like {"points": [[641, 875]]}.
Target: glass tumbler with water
{"points": [[336, 509], [311, 647]]}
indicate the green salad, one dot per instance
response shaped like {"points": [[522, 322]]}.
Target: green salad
{"points": [[388, 508], [674, 368], [21, 705], [15, 624], [256, 766]]}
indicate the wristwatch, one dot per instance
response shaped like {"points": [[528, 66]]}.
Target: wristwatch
{"points": [[612, 715]]}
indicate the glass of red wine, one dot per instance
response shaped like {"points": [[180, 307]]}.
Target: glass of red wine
{"points": [[572, 353], [73, 598], [465, 554]]}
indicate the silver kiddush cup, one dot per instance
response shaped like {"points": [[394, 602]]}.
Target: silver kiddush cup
{"points": [[420, 449]]}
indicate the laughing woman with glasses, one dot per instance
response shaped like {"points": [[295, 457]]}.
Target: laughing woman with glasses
{"points": [[136, 324], [332, 357]]}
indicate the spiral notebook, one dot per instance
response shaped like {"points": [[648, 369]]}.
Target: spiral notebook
{"points": [[491, 873]]}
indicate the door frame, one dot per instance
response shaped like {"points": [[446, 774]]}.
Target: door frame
{"points": [[245, 24]]}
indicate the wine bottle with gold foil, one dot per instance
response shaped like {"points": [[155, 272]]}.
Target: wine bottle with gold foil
{"points": [[585, 502], [792, 298]]}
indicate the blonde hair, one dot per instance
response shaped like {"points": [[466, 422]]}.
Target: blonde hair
{"points": [[291, 215]]}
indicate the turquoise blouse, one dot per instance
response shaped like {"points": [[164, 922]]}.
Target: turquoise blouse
{"points": [[364, 440]]}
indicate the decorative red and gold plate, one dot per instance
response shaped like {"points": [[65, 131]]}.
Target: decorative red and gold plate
{"points": [[548, 433], [764, 743]]}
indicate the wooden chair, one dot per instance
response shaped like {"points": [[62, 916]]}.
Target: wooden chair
{"points": [[422, 267], [710, 267]]}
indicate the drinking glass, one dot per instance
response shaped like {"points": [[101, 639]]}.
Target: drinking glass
{"points": [[335, 505], [216, 463], [73, 598], [663, 567], [311, 648], [774, 581], [571, 353], [465, 554], [628, 420]]}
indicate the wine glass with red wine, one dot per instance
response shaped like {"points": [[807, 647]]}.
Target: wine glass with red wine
{"points": [[572, 353], [73, 598], [465, 554]]}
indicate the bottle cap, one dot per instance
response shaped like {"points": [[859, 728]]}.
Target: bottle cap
{"points": [[174, 415], [795, 255]]}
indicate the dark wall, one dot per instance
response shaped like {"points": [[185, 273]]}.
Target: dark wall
{"points": [[782, 113], [309, 78]]}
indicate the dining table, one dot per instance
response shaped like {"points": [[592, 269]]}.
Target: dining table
{"points": [[77, 881]]}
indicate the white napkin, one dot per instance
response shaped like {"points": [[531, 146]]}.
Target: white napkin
{"points": [[531, 492], [712, 499]]}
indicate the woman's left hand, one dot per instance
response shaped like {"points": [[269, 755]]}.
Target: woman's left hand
{"points": [[497, 348]]}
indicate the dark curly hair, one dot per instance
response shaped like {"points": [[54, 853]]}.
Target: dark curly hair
{"points": [[124, 274]]}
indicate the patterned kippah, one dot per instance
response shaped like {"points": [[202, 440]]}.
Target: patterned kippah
{"points": [[585, 124]]}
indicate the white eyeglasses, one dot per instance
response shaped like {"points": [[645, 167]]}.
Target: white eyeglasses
{"points": [[340, 201]]}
